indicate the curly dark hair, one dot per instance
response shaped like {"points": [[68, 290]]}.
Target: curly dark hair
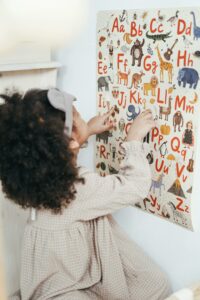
{"points": [[37, 167]]}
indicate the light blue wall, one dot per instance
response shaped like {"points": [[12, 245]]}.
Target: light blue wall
{"points": [[176, 250]]}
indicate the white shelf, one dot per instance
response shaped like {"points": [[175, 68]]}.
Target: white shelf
{"points": [[28, 66]]}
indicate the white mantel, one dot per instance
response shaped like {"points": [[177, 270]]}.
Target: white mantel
{"points": [[21, 76], [29, 66], [28, 75]]}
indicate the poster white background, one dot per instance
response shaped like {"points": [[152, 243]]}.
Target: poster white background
{"points": [[175, 249]]}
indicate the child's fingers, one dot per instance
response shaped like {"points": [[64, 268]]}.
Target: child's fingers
{"points": [[148, 116], [106, 120], [108, 126], [146, 111], [152, 124], [109, 113]]}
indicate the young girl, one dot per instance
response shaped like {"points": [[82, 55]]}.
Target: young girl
{"points": [[73, 249]]}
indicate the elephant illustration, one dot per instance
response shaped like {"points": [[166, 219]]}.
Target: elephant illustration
{"points": [[188, 75], [103, 81], [104, 136]]}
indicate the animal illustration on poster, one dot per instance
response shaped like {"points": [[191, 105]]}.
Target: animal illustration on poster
{"points": [[149, 59]]}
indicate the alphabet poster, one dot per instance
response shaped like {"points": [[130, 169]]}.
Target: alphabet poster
{"points": [[151, 59]]}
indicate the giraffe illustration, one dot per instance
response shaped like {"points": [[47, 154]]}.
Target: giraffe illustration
{"points": [[164, 66]]}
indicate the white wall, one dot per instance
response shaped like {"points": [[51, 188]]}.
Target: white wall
{"points": [[176, 250]]}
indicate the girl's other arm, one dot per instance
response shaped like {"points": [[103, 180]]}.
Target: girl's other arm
{"points": [[104, 195]]}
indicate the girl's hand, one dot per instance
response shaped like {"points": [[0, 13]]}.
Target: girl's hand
{"points": [[141, 126], [100, 124]]}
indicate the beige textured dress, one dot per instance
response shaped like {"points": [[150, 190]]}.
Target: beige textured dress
{"points": [[83, 253]]}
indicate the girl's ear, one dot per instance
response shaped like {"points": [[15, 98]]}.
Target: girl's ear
{"points": [[73, 145]]}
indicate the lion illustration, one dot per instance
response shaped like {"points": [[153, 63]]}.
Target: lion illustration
{"points": [[151, 86]]}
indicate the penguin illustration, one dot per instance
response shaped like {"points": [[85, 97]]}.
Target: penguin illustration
{"points": [[197, 53], [163, 149], [150, 157], [112, 170]]}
